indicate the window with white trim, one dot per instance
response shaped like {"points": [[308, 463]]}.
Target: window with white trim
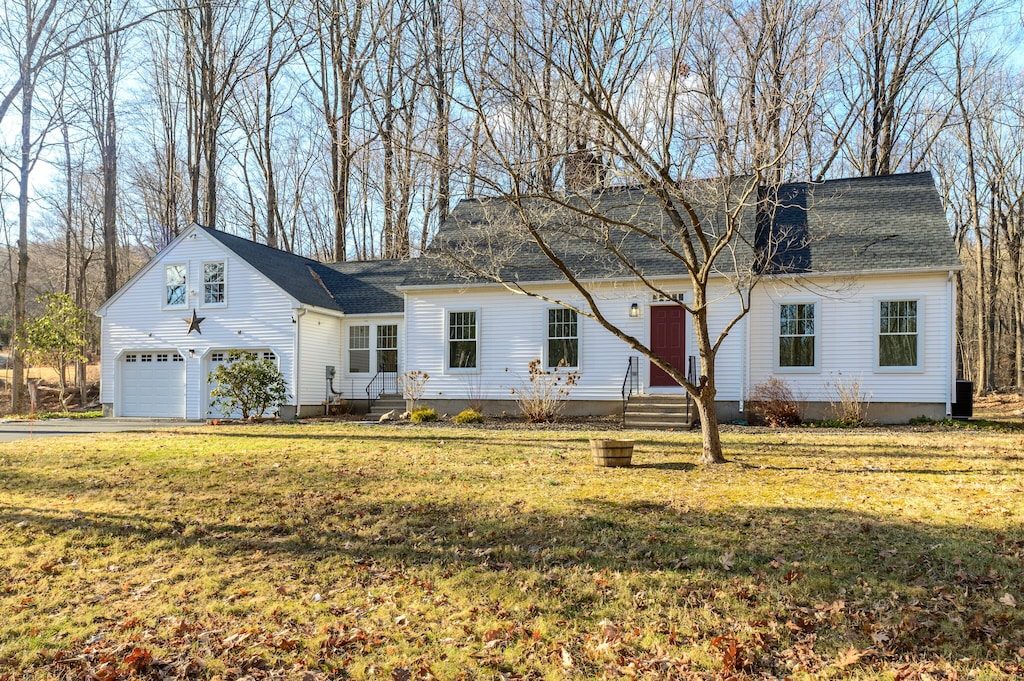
{"points": [[359, 349], [796, 335], [462, 340], [387, 347], [897, 333], [176, 284], [213, 283], [563, 338]]}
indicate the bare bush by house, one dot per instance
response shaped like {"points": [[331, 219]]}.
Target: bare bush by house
{"points": [[847, 399], [774, 403], [542, 395]]}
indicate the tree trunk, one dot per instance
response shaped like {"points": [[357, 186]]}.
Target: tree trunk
{"points": [[18, 395], [108, 153], [711, 440]]}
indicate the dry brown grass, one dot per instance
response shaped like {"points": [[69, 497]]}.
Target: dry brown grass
{"points": [[463, 553], [47, 374]]}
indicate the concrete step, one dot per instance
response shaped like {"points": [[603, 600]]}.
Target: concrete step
{"points": [[384, 404], [658, 412]]}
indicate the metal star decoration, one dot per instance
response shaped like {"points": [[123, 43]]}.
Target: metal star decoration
{"points": [[194, 322]]}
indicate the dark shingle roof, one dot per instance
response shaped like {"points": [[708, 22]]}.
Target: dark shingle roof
{"points": [[368, 286], [868, 224], [893, 222], [364, 287]]}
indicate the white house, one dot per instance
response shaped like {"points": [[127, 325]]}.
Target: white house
{"points": [[859, 288]]}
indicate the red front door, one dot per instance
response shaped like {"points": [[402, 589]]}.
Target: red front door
{"points": [[668, 341]]}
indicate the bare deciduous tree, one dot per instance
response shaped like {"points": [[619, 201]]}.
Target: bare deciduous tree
{"points": [[654, 98]]}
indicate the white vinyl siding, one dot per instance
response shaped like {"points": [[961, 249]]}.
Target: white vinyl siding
{"points": [[512, 331], [321, 345], [847, 334], [261, 316]]}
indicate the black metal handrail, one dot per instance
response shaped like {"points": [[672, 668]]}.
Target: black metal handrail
{"points": [[630, 382], [384, 382]]}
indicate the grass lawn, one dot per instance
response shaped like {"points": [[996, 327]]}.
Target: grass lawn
{"points": [[345, 551]]}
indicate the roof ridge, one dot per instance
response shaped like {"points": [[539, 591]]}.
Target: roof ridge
{"points": [[219, 233]]}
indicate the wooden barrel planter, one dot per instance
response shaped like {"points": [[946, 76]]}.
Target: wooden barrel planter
{"points": [[612, 453]]}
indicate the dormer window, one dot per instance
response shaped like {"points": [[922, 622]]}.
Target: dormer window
{"points": [[213, 283], [176, 284]]}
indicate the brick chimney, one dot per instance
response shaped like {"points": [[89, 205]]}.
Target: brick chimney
{"points": [[584, 171]]}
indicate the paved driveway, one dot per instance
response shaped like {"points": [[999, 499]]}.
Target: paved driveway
{"points": [[17, 430]]}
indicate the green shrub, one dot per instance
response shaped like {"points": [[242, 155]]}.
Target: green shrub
{"points": [[247, 384], [423, 415], [469, 416]]}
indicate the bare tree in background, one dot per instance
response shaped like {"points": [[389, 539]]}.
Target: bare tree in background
{"points": [[31, 31], [102, 76], [217, 47], [259, 104], [894, 52], [337, 41], [663, 95]]}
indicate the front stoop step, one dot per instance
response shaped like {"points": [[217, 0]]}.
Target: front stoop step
{"points": [[385, 403], [658, 412]]}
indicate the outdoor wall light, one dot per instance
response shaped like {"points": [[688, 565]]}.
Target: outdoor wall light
{"points": [[634, 310], [192, 352]]}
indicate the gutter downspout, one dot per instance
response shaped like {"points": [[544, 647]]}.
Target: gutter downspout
{"points": [[950, 359], [299, 312], [745, 340]]}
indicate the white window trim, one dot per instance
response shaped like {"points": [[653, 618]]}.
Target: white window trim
{"points": [[372, 324], [163, 286], [877, 342], [579, 339], [777, 336], [370, 348], [445, 330], [202, 291], [398, 344]]}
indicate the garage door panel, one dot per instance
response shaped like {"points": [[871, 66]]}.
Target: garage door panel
{"points": [[153, 384]]}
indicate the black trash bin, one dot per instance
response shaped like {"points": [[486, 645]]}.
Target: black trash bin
{"points": [[963, 407]]}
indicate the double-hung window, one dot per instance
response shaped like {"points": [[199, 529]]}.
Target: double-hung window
{"points": [[359, 349], [213, 283], [387, 347], [563, 338], [462, 340], [897, 334], [796, 335], [175, 286]]}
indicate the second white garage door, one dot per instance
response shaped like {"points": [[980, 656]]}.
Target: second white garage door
{"points": [[153, 384]]}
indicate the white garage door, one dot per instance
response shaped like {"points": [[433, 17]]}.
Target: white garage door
{"points": [[153, 384], [213, 361]]}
